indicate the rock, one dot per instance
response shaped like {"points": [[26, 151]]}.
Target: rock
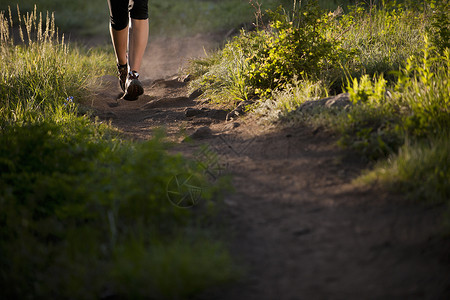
{"points": [[192, 112], [201, 133], [185, 78], [341, 101], [240, 110], [218, 114], [195, 94]]}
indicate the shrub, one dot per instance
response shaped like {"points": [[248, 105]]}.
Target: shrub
{"points": [[257, 63], [64, 224], [440, 25]]}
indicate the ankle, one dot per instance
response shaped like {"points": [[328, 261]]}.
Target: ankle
{"points": [[119, 66], [133, 74]]}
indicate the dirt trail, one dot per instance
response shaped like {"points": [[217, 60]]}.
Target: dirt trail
{"points": [[299, 225]]}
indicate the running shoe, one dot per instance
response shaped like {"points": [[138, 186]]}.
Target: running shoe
{"points": [[122, 72], [133, 87]]}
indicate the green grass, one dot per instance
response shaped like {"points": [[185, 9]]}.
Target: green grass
{"points": [[40, 71], [419, 169], [84, 212]]}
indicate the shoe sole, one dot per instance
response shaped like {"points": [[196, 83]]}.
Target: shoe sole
{"points": [[133, 91]]}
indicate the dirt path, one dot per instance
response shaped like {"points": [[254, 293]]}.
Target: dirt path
{"points": [[300, 227]]}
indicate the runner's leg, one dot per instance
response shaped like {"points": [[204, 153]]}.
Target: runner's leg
{"points": [[119, 28], [138, 42], [120, 43]]}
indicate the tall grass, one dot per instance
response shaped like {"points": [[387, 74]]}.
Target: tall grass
{"points": [[382, 39], [420, 169], [419, 106], [40, 71], [83, 213]]}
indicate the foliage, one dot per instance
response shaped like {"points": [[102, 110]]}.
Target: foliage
{"points": [[291, 48], [418, 106], [419, 169], [90, 220], [308, 43], [77, 17], [439, 29], [381, 38], [260, 62], [168, 18], [41, 74], [423, 91]]}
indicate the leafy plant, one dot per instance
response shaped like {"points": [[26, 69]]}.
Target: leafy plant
{"points": [[257, 63], [439, 29]]}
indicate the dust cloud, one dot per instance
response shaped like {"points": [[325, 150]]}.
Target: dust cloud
{"points": [[165, 56]]}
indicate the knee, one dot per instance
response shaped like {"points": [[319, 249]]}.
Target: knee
{"points": [[119, 23]]}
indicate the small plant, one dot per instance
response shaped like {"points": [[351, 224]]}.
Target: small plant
{"points": [[424, 92], [367, 92]]}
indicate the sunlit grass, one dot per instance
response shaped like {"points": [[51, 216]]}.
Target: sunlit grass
{"points": [[41, 72], [419, 169]]}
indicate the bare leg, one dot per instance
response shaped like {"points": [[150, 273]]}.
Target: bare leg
{"points": [[138, 43], [120, 42]]}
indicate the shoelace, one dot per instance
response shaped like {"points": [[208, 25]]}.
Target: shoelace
{"points": [[133, 75]]}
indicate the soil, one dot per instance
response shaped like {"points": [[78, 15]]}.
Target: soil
{"points": [[300, 227]]}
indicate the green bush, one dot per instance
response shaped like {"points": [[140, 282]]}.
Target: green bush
{"points": [[382, 39], [418, 106], [291, 50], [258, 63], [64, 224], [308, 43], [439, 29]]}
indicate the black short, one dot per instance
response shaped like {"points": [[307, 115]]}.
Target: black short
{"points": [[121, 10]]}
